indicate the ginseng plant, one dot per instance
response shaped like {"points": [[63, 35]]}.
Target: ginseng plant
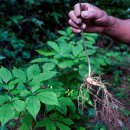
{"points": [[107, 108]]}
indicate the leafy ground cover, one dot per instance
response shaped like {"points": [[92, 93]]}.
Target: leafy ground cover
{"points": [[43, 66], [44, 95]]}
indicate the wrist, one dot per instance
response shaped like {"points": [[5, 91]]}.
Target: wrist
{"points": [[111, 25], [117, 28]]}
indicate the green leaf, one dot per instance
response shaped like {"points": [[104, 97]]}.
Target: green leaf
{"points": [[27, 119], [20, 86], [3, 128], [25, 93], [83, 70], [90, 38], [33, 105], [19, 74], [69, 31], [42, 77], [58, 90], [61, 39], [13, 82], [62, 108], [35, 88], [6, 113], [45, 53], [16, 19], [81, 128], [62, 33], [48, 66], [1, 81], [3, 35], [94, 35], [64, 48], [53, 45], [47, 123], [90, 45], [40, 123], [37, 22], [86, 95], [18, 105], [56, 16], [33, 71], [62, 126], [50, 108], [90, 102], [48, 98], [65, 64], [24, 127], [66, 121], [15, 92], [39, 60], [91, 52], [5, 74], [9, 87], [67, 102], [3, 99], [77, 49], [50, 125]]}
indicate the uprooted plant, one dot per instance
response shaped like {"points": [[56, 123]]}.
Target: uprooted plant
{"points": [[106, 106]]}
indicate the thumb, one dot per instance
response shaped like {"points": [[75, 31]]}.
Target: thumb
{"points": [[92, 13]]}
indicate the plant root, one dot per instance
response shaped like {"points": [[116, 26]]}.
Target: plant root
{"points": [[106, 106]]}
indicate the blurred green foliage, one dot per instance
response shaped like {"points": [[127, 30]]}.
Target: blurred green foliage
{"points": [[26, 25], [117, 8]]}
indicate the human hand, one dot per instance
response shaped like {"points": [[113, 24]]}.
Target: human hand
{"points": [[93, 18]]}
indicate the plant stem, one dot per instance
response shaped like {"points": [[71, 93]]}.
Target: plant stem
{"points": [[83, 39]]}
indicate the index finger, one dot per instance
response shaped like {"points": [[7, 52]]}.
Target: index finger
{"points": [[83, 6]]}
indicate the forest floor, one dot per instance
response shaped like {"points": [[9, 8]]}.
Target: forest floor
{"points": [[125, 84]]}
